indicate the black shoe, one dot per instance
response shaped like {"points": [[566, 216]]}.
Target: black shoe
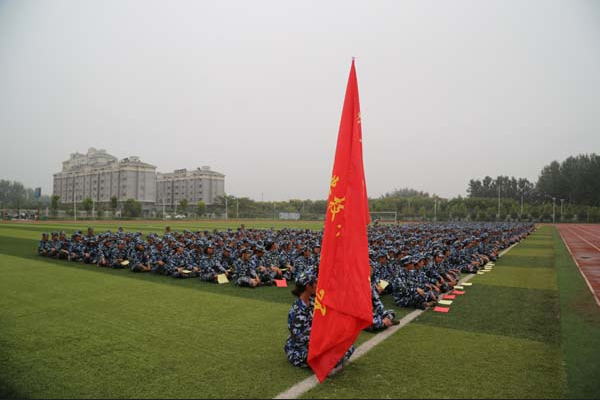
{"points": [[395, 322]]}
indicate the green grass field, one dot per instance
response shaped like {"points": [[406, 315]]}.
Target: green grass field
{"points": [[528, 329]]}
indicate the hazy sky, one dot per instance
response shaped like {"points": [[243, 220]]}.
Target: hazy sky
{"points": [[450, 90]]}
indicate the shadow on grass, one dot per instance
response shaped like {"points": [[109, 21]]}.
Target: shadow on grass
{"points": [[8, 392], [26, 248]]}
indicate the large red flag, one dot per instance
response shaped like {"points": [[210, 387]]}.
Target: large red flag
{"points": [[343, 306]]}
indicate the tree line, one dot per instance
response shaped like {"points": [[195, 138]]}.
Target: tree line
{"points": [[576, 181]]}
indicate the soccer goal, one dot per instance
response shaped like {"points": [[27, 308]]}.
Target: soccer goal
{"points": [[384, 216]]}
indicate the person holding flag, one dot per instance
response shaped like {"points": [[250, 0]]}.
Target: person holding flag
{"points": [[300, 320]]}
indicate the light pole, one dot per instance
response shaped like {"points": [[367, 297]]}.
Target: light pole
{"points": [[435, 209], [553, 209], [225, 206], [499, 186], [74, 202], [521, 215], [561, 209], [237, 208]]}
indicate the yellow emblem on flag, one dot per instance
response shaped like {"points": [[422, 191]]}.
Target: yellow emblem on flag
{"points": [[318, 299], [334, 180], [336, 206]]}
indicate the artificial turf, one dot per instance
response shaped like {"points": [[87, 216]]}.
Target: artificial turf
{"points": [[527, 329], [75, 330]]}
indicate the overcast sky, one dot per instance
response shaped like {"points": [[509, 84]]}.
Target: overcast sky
{"points": [[450, 90]]}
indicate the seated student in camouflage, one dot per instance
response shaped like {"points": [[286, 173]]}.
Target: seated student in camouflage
{"points": [[405, 287], [90, 250], [210, 266], [245, 270], [54, 246], [119, 256], [266, 274], [227, 260], [382, 318], [180, 265], [303, 261], [159, 257], [44, 245], [63, 252], [76, 248], [105, 251], [300, 320], [139, 258], [272, 261]]}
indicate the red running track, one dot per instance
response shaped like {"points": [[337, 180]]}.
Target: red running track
{"points": [[583, 242]]}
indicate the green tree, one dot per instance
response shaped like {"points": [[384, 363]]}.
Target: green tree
{"points": [[54, 205], [201, 207], [87, 205], [100, 208], [132, 208], [183, 205], [114, 202]]}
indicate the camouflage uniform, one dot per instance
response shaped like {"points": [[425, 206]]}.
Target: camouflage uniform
{"points": [[76, 250], [181, 261], [379, 311], [137, 258], [245, 271], [299, 325], [44, 246], [209, 267]]}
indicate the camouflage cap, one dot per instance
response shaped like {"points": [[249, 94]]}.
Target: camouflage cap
{"points": [[306, 277]]}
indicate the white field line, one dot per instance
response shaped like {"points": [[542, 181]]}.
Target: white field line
{"points": [[304, 386]]}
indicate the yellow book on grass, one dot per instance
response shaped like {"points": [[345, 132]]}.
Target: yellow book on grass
{"points": [[222, 278], [383, 283]]}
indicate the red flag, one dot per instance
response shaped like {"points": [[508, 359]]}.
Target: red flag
{"points": [[343, 306]]}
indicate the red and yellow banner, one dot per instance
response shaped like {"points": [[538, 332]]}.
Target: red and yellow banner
{"points": [[343, 306]]}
